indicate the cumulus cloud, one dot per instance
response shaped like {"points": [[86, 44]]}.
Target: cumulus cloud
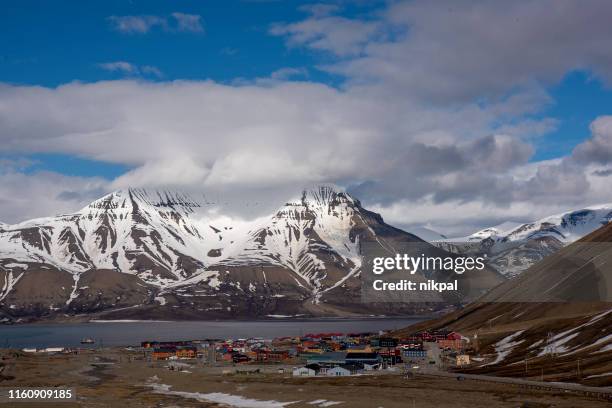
{"points": [[447, 51]]}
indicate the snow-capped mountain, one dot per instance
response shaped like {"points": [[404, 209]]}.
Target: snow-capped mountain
{"points": [[513, 247], [160, 253]]}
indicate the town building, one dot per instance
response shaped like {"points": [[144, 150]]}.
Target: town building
{"points": [[186, 352], [338, 372], [462, 360], [363, 358], [329, 358], [163, 353], [414, 353], [304, 372]]}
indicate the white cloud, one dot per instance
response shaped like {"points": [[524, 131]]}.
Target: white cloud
{"points": [[320, 9], [342, 36], [142, 24], [211, 137], [289, 72], [128, 68], [176, 172], [27, 196], [598, 148], [188, 22], [447, 51], [137, 24]]}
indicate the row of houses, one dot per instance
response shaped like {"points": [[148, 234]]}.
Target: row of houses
{"points": [[445, 339], [326, 349], [172, 352]]}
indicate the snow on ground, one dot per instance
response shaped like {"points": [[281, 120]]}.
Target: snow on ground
{"points": [[236, 401], [600, 375], [16, 265], [505, 346], [557, 343], [324, 403], [597, 342], [75, 287], [9, 281]]}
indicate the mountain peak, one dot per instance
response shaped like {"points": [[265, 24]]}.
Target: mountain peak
{"points": [[133, 198], [326, 195]]}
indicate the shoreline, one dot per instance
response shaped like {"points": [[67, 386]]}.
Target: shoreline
{"points": [[76, 320]]}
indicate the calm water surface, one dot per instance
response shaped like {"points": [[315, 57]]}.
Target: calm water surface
{"points": [[132, 333]]}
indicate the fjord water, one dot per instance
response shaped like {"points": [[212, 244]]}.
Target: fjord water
{"points": [[131, 333]]}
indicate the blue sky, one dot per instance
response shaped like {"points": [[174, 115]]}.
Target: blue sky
{"points": [[50, 44], [408, 102]]}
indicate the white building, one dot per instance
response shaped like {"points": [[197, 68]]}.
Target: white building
{"points": [[338, 372], [304, 372]]}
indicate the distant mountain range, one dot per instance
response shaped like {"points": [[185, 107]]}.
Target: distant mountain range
{"points": [[512, 247], [154, 254]]}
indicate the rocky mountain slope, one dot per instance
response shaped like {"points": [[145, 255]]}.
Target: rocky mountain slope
{"points": [[142, 254], [512, 248], [554, 320]]}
